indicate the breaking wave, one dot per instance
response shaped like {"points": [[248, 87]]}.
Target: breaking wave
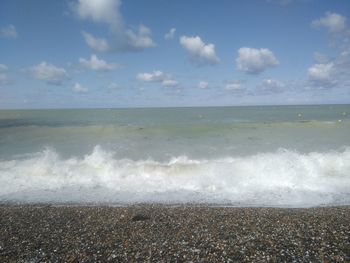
{"points": [[281, 178]]}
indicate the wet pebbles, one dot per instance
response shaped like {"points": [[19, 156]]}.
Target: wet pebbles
{"points": [[173, 234]]}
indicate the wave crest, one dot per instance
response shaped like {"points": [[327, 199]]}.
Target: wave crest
{"points": [[281, 178]]}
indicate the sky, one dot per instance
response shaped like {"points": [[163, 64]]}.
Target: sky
{"points": [[164, 53]]}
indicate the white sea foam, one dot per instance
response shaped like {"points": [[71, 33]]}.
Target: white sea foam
{"points": [[282, 178]]}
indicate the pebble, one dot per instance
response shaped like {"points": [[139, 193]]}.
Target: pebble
{"points": [[159, 233]]}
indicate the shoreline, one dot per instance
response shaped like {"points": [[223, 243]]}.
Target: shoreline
{"points": [[166, 206], [183, 232]]}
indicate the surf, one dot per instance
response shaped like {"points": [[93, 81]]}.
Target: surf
{"points": [[280, 178]]}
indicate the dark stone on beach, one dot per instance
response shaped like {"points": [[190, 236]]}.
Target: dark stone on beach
{"points": [[140, 217]]}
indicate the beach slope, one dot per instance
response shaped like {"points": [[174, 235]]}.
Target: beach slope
{"points": [[34, 233]]}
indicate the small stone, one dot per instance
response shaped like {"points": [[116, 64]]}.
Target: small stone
{"points": [[140, 217]]}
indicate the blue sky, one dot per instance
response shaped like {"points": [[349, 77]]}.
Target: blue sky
{"points": [[131, 53]]}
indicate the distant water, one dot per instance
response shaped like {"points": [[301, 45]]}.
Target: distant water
{"points": [[243, 156]]}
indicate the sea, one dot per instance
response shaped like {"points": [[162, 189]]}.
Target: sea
{"points": [[275, 156]]}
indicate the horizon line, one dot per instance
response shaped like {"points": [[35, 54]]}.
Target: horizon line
{"points": [[174, 107]]}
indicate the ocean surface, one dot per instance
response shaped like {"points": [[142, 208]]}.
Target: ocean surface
{"points": [[295, 156]]}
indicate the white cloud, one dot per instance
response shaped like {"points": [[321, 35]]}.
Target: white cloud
{"points": [[155, 76], [342, 63], [113, 86], [97, 64], [139, 40], [333, 22], [158, 77], [272, 83], [4, 80], [255, 61], [199, 52], [8, 32], [169, 83], [234, 86], [203, 85], [78, 88], [99, 44], [108, 12], [320, 58], [330, 72], [321, 72], [48, 73], [170, 34], [270, 86], [3, 67]]}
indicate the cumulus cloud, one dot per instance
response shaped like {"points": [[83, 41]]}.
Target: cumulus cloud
{"points": [[321, 72], [158, 76], [113, 86], [98, 44], [138, 40], [78, 88], [234, 86], [123, 38], [106, 11], [270, 86], [203, 85], [342, 63], [332, 72], [97, 64], [272, 83], [48, 73], [155, 76], [4, 79], [170, 34], [169, 83], [335, 72], [8, 31], [320, 58], [3, 67], [199, 52], [255, 61], [333, 22]]}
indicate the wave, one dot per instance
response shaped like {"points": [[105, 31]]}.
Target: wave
{"points": [[281, 178]]}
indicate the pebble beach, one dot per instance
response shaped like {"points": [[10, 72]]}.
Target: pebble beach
{"points": [[185, 233]]}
